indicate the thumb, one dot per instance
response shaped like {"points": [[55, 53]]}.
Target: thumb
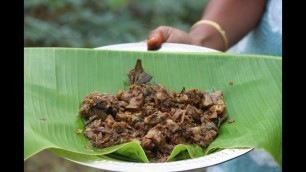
{"points": [[157, 37]]}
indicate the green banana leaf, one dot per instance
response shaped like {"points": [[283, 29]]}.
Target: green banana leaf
{"points": [[57, 79]]}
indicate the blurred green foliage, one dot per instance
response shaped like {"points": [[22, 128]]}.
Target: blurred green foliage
{"points": [[88, 24]]}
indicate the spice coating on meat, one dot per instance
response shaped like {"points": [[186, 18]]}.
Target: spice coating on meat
{"points": [[159, 119]]}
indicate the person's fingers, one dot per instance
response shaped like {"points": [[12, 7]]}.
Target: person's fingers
{"points": [[157, 37], [164, 34]]}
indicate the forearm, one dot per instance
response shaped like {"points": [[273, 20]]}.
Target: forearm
{"points": [[236, 18]]}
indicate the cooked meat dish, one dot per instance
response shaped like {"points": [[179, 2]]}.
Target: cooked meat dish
{"points": [[156, 117]]}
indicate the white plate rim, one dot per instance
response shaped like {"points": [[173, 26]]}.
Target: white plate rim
{"points": [[166, 47], [182, 165]]}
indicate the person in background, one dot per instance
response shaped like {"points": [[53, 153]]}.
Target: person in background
{"points": [[244, 26], [237, 26]]}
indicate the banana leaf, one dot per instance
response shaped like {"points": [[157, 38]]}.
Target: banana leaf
{"points": [[57, 79]]}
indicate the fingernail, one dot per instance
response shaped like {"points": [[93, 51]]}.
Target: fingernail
{"points": [[153, 38]]}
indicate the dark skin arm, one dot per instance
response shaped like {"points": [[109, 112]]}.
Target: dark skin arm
{"points": [[236, 18]]}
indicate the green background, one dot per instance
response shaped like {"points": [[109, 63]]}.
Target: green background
{"points": [[88, 24]]}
